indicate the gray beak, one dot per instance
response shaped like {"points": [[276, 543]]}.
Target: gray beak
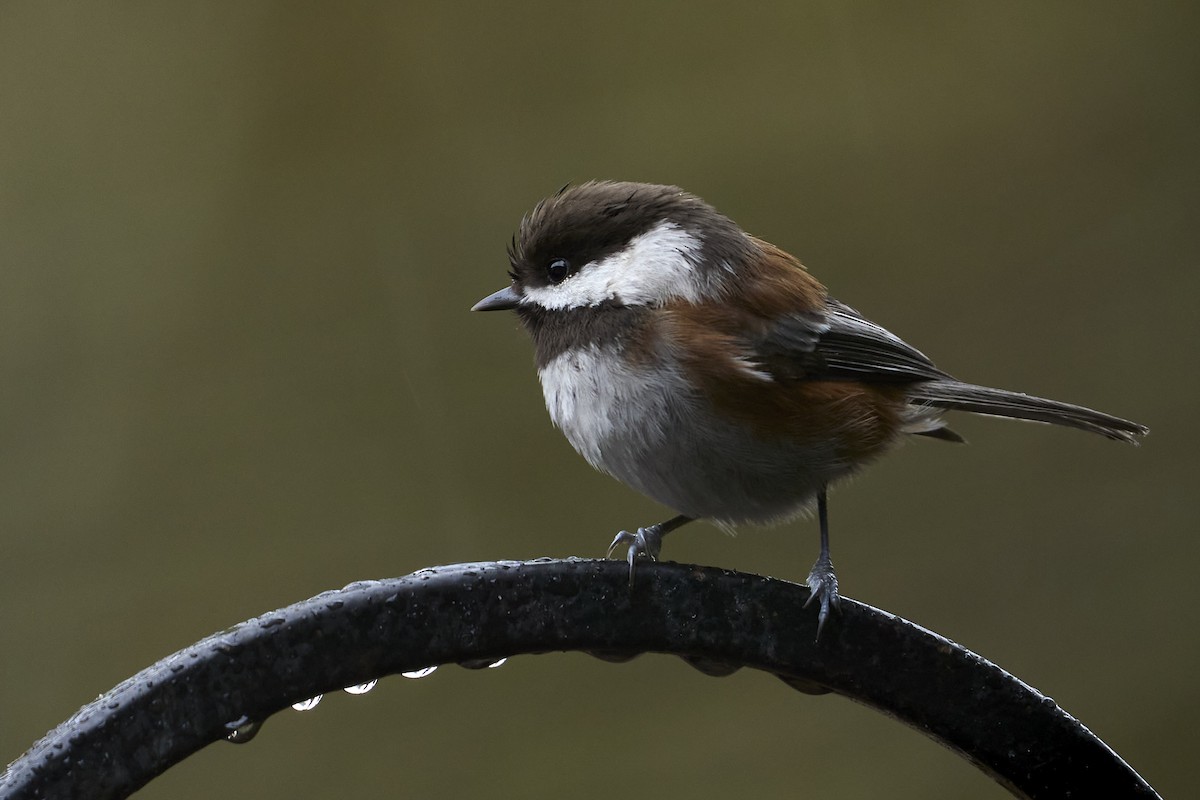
{"points": [[504, 300]]}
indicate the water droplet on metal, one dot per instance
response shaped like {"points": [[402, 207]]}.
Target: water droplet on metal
{"points": [[361, 688], [482, 663], [309, 704], [709, 666], [612, 656], [419, 673], [242, 730]]}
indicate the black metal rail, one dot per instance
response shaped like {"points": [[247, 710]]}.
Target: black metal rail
{"points": [[474, 614]]}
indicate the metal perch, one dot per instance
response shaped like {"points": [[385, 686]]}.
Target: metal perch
{"points": [[475, 614]]}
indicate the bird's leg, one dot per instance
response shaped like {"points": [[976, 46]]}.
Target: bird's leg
{"points": [[822, 581], [646, 543]]}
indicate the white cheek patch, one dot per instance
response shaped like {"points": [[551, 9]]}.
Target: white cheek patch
{"points": [[656, 266]]}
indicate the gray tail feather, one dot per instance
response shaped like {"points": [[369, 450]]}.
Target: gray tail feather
{"points": [[950, 394]]}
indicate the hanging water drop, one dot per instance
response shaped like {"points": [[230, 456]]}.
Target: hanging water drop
{"points": [[361, 688], [482, 663], [307, 705], [419, 673], [242, 729]]}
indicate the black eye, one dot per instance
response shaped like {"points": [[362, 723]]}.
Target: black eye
{"points": [[558, 270]]}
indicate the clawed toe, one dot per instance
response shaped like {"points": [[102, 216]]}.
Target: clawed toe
{"points": [[646, 543], [823, 585], [624, 537]]}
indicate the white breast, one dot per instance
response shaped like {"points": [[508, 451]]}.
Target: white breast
{"points": [[644, 425], [609, 411]]}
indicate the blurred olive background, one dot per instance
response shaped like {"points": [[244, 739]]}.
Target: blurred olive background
{"points": [[237, 248]]}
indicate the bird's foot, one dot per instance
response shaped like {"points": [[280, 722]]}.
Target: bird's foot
{"points": [[823, 585], [646, 543]]}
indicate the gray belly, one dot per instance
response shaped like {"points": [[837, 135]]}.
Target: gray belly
{"points": [[647, 428]]}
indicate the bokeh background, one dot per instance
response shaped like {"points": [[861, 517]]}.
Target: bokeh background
{"points": [[238, 243]]}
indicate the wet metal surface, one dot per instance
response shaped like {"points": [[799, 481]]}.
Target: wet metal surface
{"points": [[477, 614]]}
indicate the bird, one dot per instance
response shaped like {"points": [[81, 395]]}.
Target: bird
{"points": [[712, 372]]}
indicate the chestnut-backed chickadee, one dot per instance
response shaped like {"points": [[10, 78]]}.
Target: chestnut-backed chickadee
{"points": [[710, 371]]}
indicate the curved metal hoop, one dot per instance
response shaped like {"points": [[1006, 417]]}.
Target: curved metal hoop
{"points": [[475, 614]]}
